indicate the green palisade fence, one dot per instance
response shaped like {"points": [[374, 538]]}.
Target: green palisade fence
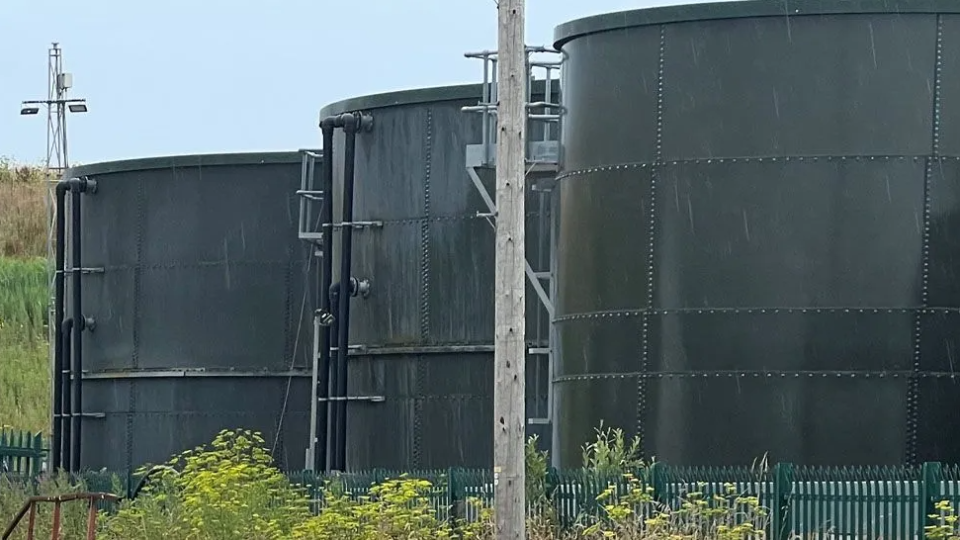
{"points": [[808, 502], [21, 452]]}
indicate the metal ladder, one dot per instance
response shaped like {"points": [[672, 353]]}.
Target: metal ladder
{"points": [[542, 165], [311, 199]]}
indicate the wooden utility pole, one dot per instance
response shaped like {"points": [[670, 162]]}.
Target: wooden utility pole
{"points": [[509, 347]]}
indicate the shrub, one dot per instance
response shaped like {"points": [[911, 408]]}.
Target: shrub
{"points": [[397, 508], [633, 514], [611, 454], [229, 490]]}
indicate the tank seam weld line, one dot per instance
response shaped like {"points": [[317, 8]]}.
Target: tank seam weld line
{"points": [[753, 310], [424, 287], [641, 411], [892, 374], [137, 299], [763, 159], [913, 397]]}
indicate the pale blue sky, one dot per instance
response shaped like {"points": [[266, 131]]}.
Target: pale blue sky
{"points": [[197, 76]]}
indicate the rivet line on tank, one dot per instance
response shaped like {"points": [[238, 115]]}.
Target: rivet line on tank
{"points": [[660, 73], [756, 159], [641, 412], [425, 232], [424, 289], [937, 78], [132, 393], [755, 375], [752, 311]]}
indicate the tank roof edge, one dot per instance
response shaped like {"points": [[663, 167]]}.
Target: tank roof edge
{"points": [[416, 96], [185, 160], [619, 20]]}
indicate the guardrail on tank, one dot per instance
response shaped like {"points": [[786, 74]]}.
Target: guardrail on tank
{"points": [[855, 502], [22, 452]]}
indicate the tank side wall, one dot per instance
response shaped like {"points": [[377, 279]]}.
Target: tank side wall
{"points": [[202, 270], [431, 266], [764, 248]]}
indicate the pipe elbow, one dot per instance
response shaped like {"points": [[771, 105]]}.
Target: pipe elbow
{"points": [[62, 187], [66, 326], [350, 122], [334, 291], [82, 185], [328, 123]]}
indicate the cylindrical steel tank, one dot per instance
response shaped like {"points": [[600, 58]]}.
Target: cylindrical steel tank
{"points": [[754, 243], [202, 297], [420, 369]]}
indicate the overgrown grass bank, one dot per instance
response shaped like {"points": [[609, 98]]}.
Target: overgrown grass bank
{"points": [[24, 349], [24, 371], [23, 229]]}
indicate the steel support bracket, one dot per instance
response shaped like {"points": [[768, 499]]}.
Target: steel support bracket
{"points": [[374, 224], [532, 277], [368, 399]]}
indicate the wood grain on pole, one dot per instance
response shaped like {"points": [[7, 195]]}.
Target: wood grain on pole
{"points": [[509, 345]]}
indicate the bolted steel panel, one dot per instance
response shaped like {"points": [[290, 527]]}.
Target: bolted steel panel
{"points": [[755, 247], [205, 301], [425, 332]]}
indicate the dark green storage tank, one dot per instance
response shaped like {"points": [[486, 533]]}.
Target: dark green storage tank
{"points": [[755, 245], [420, 369], [203, 297]]}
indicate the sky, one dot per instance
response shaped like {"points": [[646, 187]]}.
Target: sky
{"points": [[202, 76]]}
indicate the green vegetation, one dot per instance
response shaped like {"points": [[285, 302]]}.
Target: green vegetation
{"points": [[24, 371], [23, 229], [24, 349], [230, 489]]}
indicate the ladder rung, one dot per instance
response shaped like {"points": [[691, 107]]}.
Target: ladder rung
{"points": [[538, 350]]}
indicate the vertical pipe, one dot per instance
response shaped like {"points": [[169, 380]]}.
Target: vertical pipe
{"points": [[332, 435], [66, 414], [78, 324], [55, 447], [548, 98], [326, 276], [485, 139], [350, 126]]}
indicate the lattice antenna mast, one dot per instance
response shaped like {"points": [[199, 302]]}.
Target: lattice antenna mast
{"points": [[56, 161], [56, 134]]}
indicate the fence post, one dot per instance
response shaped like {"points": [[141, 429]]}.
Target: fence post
{"points": [[782, 491], [658, 481], [37, 447], [452, 494], [930, 494]]}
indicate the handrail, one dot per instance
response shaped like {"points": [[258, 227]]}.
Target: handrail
{"points": [[31, 507]]}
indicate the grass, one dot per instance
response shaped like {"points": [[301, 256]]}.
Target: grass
{"points": [[23, 219], [24, 371]]}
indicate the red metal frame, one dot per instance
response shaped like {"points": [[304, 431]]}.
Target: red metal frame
{"points": [[30, 507]]}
